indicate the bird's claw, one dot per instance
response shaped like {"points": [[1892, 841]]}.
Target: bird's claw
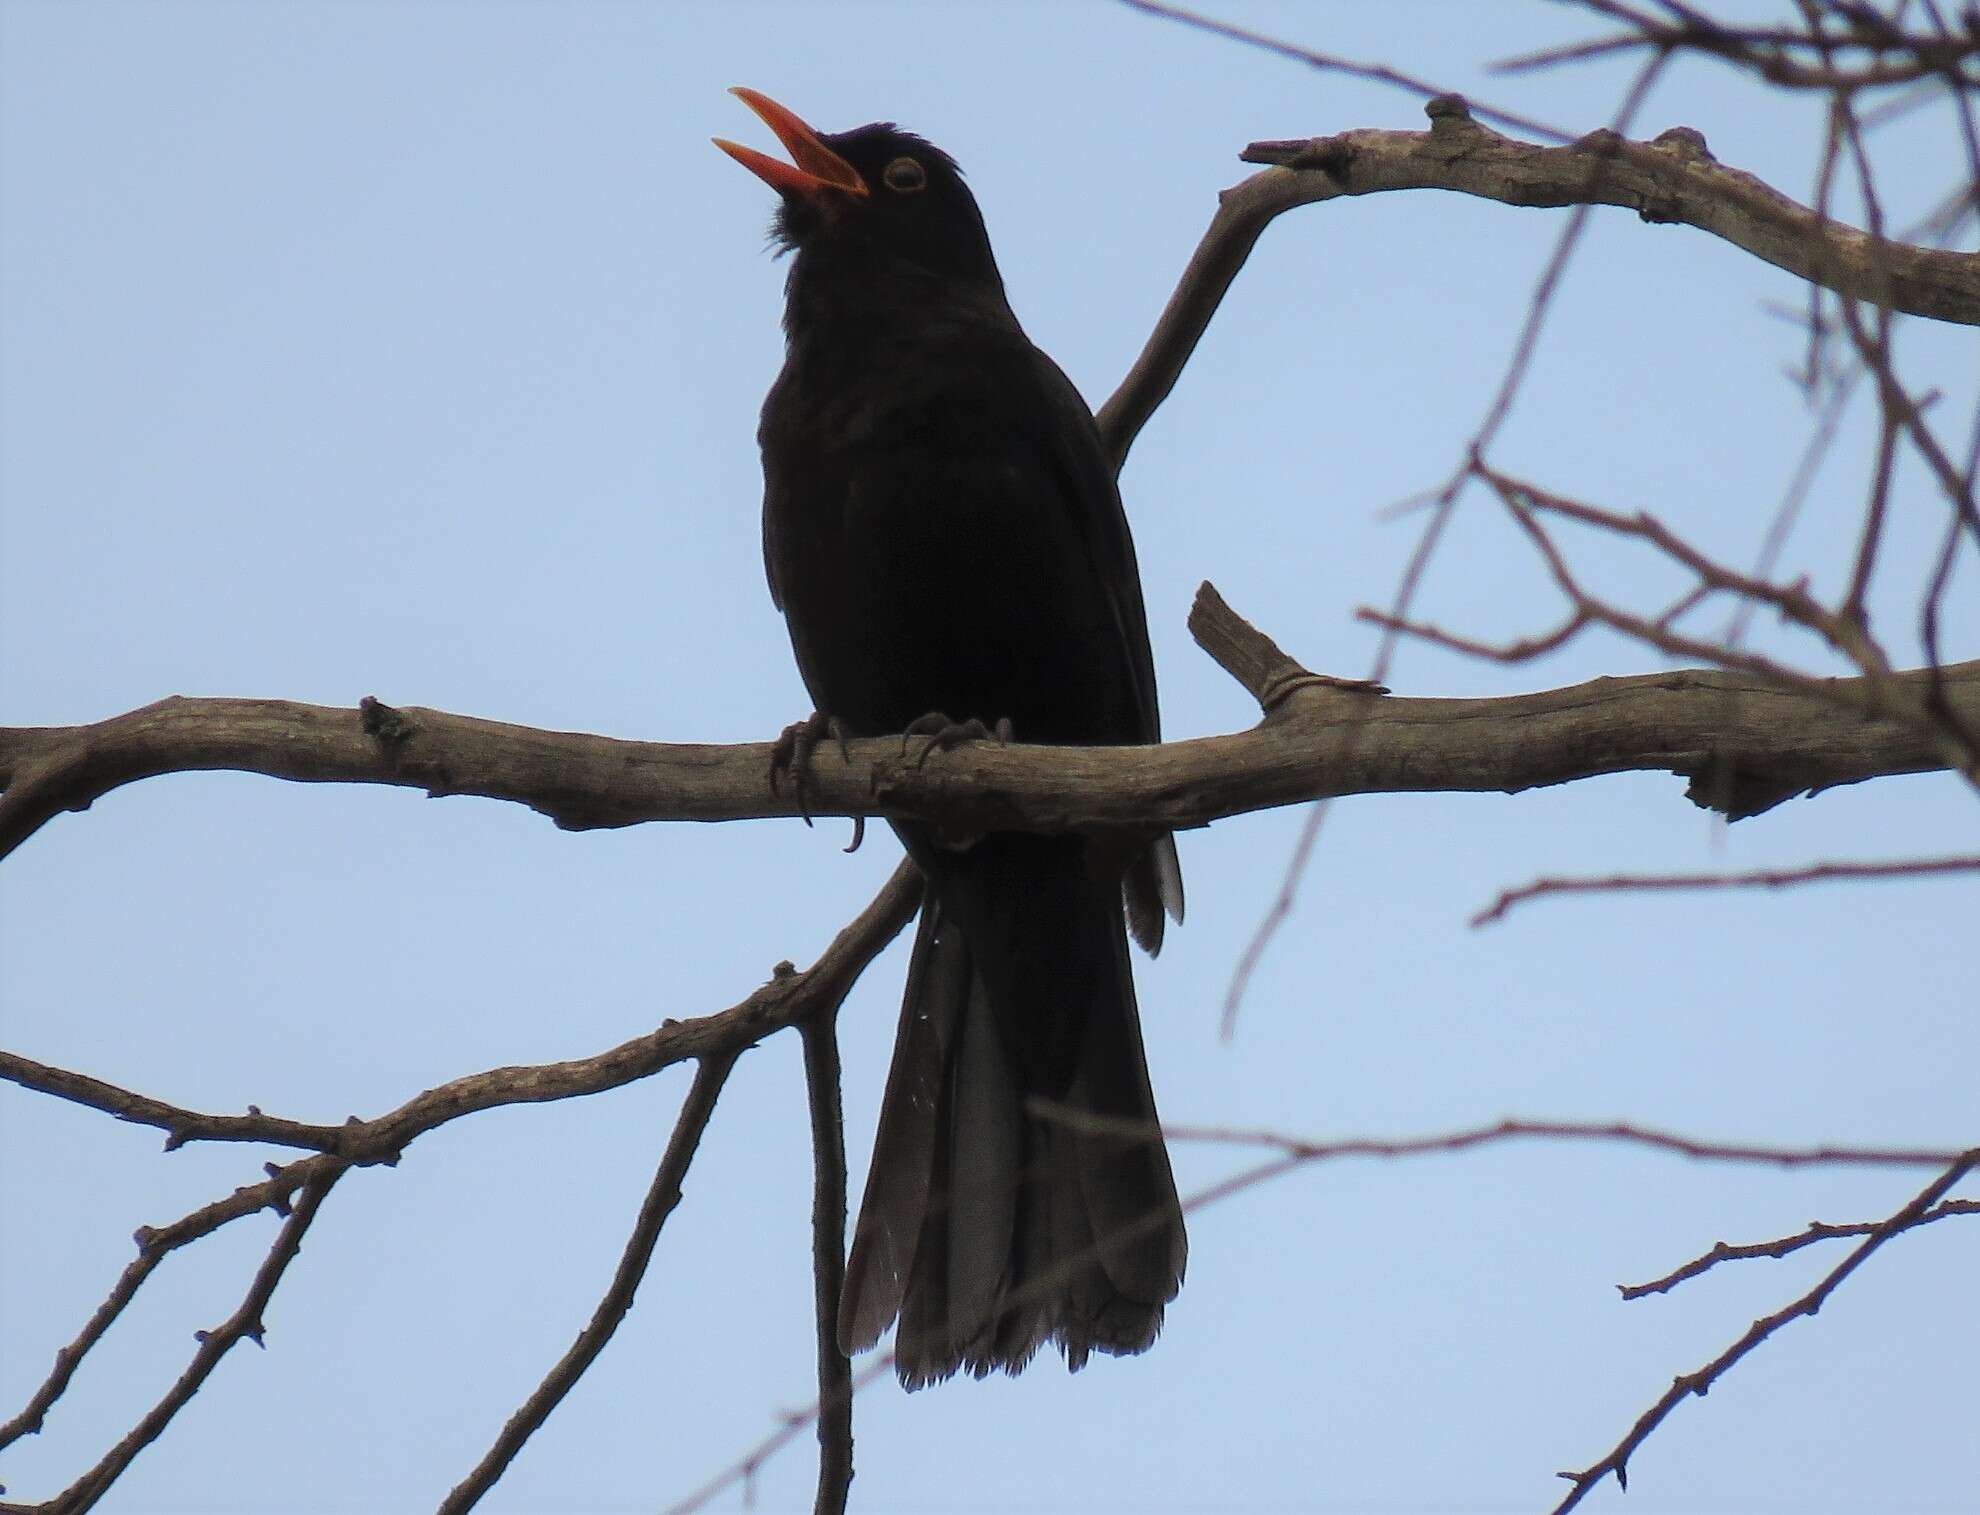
{"points": [[791, 753], [944, 733]]}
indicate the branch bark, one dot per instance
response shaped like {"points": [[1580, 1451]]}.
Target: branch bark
{"points": [[1744, 743], [1674, 178]]}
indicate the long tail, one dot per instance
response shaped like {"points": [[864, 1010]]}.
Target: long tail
{"points": [[991, 1224]]}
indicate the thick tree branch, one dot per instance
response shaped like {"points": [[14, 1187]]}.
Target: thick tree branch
{"points": [[1744, 742], [1739, 739], [1674, 178], [1845, 633]]}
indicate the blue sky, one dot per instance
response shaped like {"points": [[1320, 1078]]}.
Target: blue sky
{"points": [[415, 350]]}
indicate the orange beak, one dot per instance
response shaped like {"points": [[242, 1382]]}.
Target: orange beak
{"points": [[817, 167]]}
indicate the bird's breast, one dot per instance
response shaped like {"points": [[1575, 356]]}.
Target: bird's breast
{"points": [[929, 556]]}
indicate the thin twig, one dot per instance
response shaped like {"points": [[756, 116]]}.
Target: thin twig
{"points": [[828, 1258], [1758, 878], [662, 1196], [154, 1244], [788, 998], [1700, 1381], [1899, 57], [1806, 470], [1818, 1231], [1378, 73], [1293, 1152], [68, 1358], [1465, 1138], [785, 1000], [1879, 692], [1451, 115], [245, 1322], [746, 1467]]}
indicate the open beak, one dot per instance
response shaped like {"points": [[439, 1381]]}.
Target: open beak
{"points": [[817, 167]]}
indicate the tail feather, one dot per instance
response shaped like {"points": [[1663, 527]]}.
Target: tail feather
{"points": [[986, 1152], [905, 1147], [992, 1222], [1151, 888], [1129, 1190]]}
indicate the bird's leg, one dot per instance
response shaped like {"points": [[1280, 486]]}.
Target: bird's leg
{"points": [[942, 732], [791, 755]]}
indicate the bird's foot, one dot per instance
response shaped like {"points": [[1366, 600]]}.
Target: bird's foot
{"points": [[939, 731], [790, 757]]}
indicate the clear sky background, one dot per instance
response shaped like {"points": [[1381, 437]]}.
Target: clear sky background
{"points": [[415, 350]]}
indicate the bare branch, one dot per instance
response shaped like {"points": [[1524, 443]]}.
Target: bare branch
{"points": [[715, 1040], [1378, 73], [67, 1359], [1308, 1150], [1294, 1152], [1443, 505], [1243, 212], [788, 998], [1257, 662], [1778, 54], [215, 1344], [1792, 601], [1767, 878], [1955, 485], [1818, 1231], [1808, 466], [828, 1259], [180, 1125], [1674, 178], [1881, 694], [154, 1243], [1701, 1381], [1690, 722], [745, 1467], [1747, 738], [662, 1197]]}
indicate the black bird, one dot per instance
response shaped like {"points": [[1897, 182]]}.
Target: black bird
{"points": [[943, 534]]}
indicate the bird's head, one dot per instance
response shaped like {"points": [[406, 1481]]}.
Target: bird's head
{"points": [[876, 192]]}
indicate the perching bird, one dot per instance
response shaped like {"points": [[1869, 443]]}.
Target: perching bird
{"points": [[943, 534]]}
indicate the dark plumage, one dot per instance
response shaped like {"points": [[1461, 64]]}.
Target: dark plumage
{"points": [[942, 532]]}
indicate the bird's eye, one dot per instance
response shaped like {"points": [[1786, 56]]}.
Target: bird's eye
{"points": [[904, 176]]}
